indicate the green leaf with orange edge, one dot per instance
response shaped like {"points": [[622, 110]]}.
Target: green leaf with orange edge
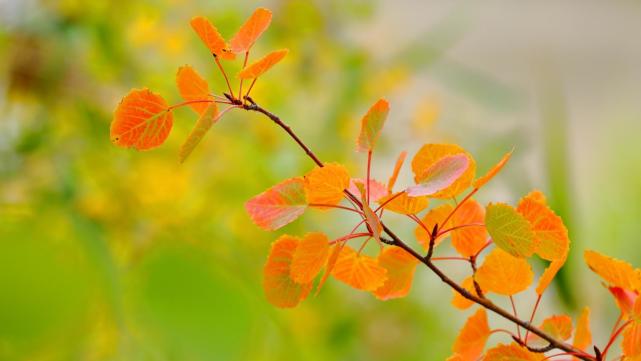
{"points": [[279, 205], [358, 270], [310, 256], [325, 185], [400, 267], [371, 126], [615, 272], [512, 352], [432, 217], [203, 124], [142, 120], [260, 66], [583, 335], [193, 87], [280, 289], [550, 234], [469, 240], [397, 168], [510, 230], [404, 204], [504, 274], [471, 340], [480, 182], [211, 37], [557, 326], [430, 154], [440, 175], [251, 30]]}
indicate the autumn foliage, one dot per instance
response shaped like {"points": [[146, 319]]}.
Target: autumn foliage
{"points": [[497, 242]]}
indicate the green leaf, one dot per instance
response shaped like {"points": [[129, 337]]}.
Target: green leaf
{"points": [[206, 120], [509, 230]]}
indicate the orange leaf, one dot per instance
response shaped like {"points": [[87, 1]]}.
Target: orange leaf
{"points": [[624, 299], [211, 37], [504, 274], [193, 87], [404, 204], [548, 275], [440, 175], [203, 124], [371, 126], [631, 344], [510, 230], [472, 338], [480, 182], [430, 154], [616, 272], [251, 30], [400, 267], [259, 67], [512, 352], [359, 271], [325, 185], [377, 190], [397, 168], [280, 289], [331, 262], [461, 302], [583, 335], [310, 257], [434, 216], [559, 327], [142, 120], [279, 205], [551, 236], [469, 240]]}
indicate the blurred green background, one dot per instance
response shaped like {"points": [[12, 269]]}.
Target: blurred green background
{"points": [[112, 254]]}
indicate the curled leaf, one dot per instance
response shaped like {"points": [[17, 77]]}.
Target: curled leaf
{"points": [[280, 289], [279, 205], [480, 182], [259, 67], [371, 126], [430, 154], [440, 175], [397, 168], [251, 30]]}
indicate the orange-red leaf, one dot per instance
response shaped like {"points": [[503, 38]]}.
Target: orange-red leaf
{"points": [[616, 272], [371, 126], [377, 190], [260, 66], [461, 302], [310, 256], [430, 154], [504, 274], [331, 262], [510, 230], [558, 326], [550, 235], [624, 299], [480, 182], [469, 240], [397, 168], [512, 352], [548, 275], [440, 175], [211, 37], [404, 204], [325, 185], [400, 267], [203, 124], [279, 205], [193, 87], [631, 344], [251, 30], [142, 120], [359, 271], [472, 338], [434, 216], [280, 289], [583, 335]]}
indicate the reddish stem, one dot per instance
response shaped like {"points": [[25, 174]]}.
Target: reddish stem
{"points": [[459, 226], [335, 206], [458, 205], [240, 87], [536, 306], [518, 328], [369, 168], [614, 337], [387, 201], [222, 70], [450, 259]]}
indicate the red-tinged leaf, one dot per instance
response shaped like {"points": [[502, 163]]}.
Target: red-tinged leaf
{"points": [[550, 235], [142, 120], [468, 241], [372, 220], [472, 338], [430, 154], [331, 262], [193, 87], [615, 272], [504, 274], [404, 204], [510, 230], [377, 190], [461, 302], [480, 182], [251, 30], [559, 327], [400, 267], [397, 169], [625, 299], [433, 217], [279, 205], [203, 124], [211, 37], [583, 335], [548, 275], [359, 271], [631, 344], [310, 256], [325, 185], [259, 67], [280, 289], [512, 352], [440, 175], [371, 126]]}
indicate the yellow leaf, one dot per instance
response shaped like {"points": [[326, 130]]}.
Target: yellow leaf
{"points": [[359, 271], [551, 236], [615, 272], [461, 302], [400, 267], [583, 335], [512, 352], [559, 327], [325, 185], [504, 274], [434, 216], [548, 275], [404, 204]]}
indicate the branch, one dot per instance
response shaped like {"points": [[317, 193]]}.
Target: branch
{"points": [[396, 241]]}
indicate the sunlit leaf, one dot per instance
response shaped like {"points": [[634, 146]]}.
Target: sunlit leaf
{"points": [[280, 289], [211, 37], [468, 241], [260, 66], [310, 256], [615, 272], [371, 126], [359, 271], [504, 274], [434, 216], [583, 335], [551, 236], [509, 230], [279, 205], [404, 204], [203, 124], [624, 299], [430, 154], [471, 340], [512, 352], [558, 326], [142, 120], [548, 275], [440, 175], [461, 302], [377, 190], [251, 30], [480, 182], [325, 185], [193, 87], [631, 344], [400, 267], [334, 253], [397, 168]]}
